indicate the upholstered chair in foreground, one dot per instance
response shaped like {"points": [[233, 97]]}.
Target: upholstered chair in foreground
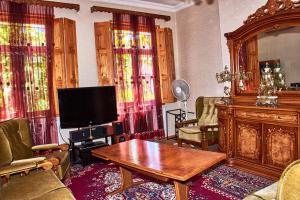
{"points": [[204, 129], [17, 151], [287, 188]]}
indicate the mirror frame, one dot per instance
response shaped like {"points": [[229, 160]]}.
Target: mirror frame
{"points": [[275, 15]]}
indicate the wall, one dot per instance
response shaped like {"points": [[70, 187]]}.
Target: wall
{"points": [[199, 49], [232, 14], [87, 67]]}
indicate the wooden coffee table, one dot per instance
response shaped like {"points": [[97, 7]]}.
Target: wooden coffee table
{"points": [[161, 161]]}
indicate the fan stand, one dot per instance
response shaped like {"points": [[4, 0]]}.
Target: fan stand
{"points": [[185, 110]]}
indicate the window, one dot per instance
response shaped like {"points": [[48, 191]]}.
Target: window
{"points": [[125, 48], [32, 38]]}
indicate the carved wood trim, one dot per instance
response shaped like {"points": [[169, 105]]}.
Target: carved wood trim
{"points": [[268, 116], [130, 12], [50, 4], [271, 8]]}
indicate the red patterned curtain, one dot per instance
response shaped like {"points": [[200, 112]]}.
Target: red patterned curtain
{"points": [[136, 75], [26, 52]]}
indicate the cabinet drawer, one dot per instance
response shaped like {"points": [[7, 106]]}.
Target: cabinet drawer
{"points": [[279, 117]]}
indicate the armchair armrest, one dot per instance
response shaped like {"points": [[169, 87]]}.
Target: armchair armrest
{"points": [[44, 147], [25, 165], [27, 161], [187, 122]]}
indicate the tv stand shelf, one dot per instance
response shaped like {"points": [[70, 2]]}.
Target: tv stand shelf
{"points": [[84, 151]]}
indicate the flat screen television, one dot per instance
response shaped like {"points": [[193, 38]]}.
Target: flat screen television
{"points": [[82, 107]]}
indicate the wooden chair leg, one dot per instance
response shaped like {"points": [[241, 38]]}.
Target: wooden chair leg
{"points": [[179, 142], [204, 141]]}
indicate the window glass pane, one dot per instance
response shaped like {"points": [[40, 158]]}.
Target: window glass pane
{"points": [[4, 33], [36, 83], [6, 85], [123, 39], [33, 34], [125, 74], [146, 64], [145, 41], [148, 88]]}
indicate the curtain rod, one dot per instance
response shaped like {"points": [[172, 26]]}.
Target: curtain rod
{"points": [[130, 12], [49, 3]]}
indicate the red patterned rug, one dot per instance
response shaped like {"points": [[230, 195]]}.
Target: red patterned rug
{"points": [[221, 182]]}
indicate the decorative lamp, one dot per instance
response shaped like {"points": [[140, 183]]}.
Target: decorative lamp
{"points": [[225, 77]]}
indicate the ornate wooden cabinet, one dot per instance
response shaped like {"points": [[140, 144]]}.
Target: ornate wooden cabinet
{"points": [[263, 140], [260, 139]]}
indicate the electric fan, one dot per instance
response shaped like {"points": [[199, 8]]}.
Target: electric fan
{"points": [[181, 91]]}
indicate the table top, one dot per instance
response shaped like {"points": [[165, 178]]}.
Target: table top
{"points": [[160, 159]]}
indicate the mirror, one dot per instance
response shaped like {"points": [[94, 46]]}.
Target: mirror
{"points": [[280, 50]]}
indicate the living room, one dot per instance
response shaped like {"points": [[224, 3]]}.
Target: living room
{"points": [[166, 60]]}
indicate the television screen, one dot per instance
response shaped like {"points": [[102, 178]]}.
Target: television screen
{"points": [[81, 107]]}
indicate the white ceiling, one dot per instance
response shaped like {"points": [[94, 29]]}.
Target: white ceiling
{"points": [[164, 5], [166, 2]]}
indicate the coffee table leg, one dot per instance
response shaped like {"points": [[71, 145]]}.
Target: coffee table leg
{"points": [[181, 190], [127, 182]]}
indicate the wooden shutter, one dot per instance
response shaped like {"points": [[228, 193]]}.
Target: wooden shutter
{"points": [[65, 69], [166, 63], [104, 53]]}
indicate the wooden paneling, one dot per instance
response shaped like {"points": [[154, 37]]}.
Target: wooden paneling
{"points": [[249, 139], [104, 53], [166, 63], [65, 69], [281, 144]]}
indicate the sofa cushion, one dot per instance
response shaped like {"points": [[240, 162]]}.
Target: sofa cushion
{"points": [[267, 193], [61, 194], [33, 186], [289, 183], [191, 133], [18, 148], [5, 151], [25, 132]]}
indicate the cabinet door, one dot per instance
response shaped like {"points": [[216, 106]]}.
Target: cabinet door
{"points": [[104, 53], [248, 141], [280, 145]]}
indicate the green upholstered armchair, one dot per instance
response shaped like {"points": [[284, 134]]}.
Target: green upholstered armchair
{"points": [[203, 130], [287, 188], [19, 155]]}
